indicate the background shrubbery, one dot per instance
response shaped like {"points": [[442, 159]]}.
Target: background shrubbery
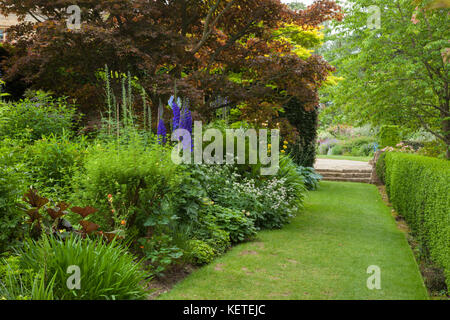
{"points": [[35, 116], [419, 189], [389, 135]]}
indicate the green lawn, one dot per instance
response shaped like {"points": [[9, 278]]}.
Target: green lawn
{"points": [[365, 159], [323, 254]]}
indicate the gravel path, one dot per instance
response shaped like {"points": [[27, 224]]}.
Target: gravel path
{"points": [[331, 164]]}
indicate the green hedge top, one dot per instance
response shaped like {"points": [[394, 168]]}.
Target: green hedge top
{"points": [[419, 189]]}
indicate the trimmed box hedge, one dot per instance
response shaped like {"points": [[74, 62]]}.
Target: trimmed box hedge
{"points": [[419, 189]]}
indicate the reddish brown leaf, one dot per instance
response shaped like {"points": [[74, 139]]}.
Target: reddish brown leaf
{"points": [[33, 214], [89, 227], [84, 212], [59, 210], [32, 198]]}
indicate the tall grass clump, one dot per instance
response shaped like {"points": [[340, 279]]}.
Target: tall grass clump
{"points": [[108, 271]]}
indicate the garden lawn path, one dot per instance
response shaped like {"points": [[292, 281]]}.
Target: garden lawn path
{"points": [[323, 254]]}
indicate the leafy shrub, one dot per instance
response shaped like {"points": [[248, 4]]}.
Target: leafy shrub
{"points": [[160, 252], [12, 181], [236, 224], [310, 176], [108, 271], [336, 150], [389, 135], [435, 148], [326, 145], [52, 163], [201, 252], [292, 179], [418, 188], [360, 146], [131, 183], [270, 201], [188, 198], [213, 235], [36, 116]]}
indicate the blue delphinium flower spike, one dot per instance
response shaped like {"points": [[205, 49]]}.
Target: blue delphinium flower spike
{"points": [[161, 132]]}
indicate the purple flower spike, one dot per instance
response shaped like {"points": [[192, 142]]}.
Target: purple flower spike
{"points": [[162, 132], [176, 115]]}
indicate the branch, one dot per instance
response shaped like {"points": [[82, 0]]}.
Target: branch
{"points": [[230, 41], [36, 18], [209, 25], [427, 128]]}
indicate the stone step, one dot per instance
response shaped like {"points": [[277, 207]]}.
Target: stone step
{"points": [[345, 170], [346, 174], [345, 179]]}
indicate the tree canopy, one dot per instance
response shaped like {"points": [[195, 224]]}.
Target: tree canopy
{"points": [[397, 74], [249, 51]]}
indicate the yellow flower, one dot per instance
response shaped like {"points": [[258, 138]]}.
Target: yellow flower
{"points": [[282, 151], [284, 147], [285, 142], [269, 145]]}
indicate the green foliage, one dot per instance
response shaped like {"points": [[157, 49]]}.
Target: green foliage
{"points": [[139, 176], [303, 152], [433, 149], [270, 201], [35, 116], [292, 180], [201, 252], [381, 167], [394, 74], [12, 180], [310, 176], [389, 136], [19, 284], [236, 224], [187, 198], [336, 150], [212, 234], [108, 271], [160, 252], [418, 188], [53, 161]]}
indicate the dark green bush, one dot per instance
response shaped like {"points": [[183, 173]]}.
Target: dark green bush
{"points": [[303, 151], [237, 224], [419, 189], [389, 136], [381, 167], [201, 252], [34, 117], [208, 231]]}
